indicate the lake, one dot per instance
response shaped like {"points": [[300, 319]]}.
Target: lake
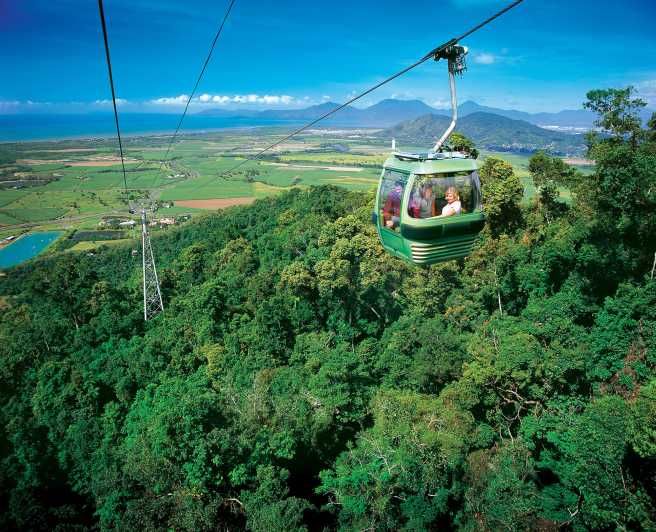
{"points": [[26, 247]]}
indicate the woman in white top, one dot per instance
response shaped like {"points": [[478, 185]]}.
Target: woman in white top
{"points": [[453, 205]]}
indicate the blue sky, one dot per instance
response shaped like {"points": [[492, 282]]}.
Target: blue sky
{"points": [[542, 56]]}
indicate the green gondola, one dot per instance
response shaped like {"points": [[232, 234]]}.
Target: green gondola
{"points": [[428, 206]]}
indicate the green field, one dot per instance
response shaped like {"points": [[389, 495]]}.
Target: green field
{"points": [[9, 196], [93, 244], [7, 219], [83, 187]]}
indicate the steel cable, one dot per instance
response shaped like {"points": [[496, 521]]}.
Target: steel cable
{"points": [[432, 53], [111, 84], [200, 76]]}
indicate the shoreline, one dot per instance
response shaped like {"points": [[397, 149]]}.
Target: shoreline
{"points": [[155, 133]]}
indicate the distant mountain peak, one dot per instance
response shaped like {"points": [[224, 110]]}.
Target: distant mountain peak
{"points": [[391, 111], [491, 131], [326, 105]]}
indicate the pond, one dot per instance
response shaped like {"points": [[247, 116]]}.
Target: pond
{"points": [[26, 247]]}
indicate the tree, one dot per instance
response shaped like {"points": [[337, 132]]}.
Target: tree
{"points": [[619, 197], [459, 142], [642, 434], [397, 475], [617, 110], [500, 493], [503, 192], [550, 173], [268, 508], [651, 132]]}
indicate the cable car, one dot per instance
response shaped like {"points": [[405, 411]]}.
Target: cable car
{"points": [[428, 205]]}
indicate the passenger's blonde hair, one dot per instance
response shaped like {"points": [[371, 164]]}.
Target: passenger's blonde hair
{"points": [[453, 191]]}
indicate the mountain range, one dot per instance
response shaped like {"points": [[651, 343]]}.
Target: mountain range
{"points": [[389, 112], [489, 131], [383, 114]]}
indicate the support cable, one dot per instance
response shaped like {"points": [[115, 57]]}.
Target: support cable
{"points": [[432, 54], [200, 76], [111, 84]]}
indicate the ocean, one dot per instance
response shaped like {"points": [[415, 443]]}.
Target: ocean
{"points": [[16, 128]]}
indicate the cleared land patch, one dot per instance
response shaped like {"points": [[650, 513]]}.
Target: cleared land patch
{"points": [[215, 203], [315, 167], [577, 161], [105, 161], [93, 244], [70, 150], [98, 163], [262, 190]]}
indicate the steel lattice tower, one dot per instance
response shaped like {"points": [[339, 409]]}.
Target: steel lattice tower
{"points": [[151, 293]]}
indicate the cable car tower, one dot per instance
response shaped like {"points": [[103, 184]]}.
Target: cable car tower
{"points": [[152, 296]]}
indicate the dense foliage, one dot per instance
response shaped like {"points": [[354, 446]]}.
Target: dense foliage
{"points": [[302, 378]]}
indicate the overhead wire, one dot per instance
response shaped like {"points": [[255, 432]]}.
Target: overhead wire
{"points": [[433, 53], [200, 76], [111, 84]]}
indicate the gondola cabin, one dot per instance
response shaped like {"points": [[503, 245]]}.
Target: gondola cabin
{"points": [[428, 206]]}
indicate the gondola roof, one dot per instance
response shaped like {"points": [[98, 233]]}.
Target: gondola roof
{"points": [[430, 163]]}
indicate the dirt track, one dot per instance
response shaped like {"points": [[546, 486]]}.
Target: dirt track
{"points": [[97, 163], [215, 203]]}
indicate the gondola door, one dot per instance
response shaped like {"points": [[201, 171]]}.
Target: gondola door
{"points": [[389, 210]]}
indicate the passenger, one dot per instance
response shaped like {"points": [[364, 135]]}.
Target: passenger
{"points": [[392, 207], [427, 202], [453, 205], [414, 205]]}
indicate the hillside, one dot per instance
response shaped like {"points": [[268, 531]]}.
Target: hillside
{"points": [[489, 131], [567, 118], [300, 378]]}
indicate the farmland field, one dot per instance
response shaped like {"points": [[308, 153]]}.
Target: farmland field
{"points": [[76, 183]]}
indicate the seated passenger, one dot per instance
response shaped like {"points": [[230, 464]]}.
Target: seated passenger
{"points": [[427, 203], [414, 205], [453, 205], [392, 207]]}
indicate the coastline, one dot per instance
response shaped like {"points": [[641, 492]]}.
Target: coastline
{"points": [[105, 132]]}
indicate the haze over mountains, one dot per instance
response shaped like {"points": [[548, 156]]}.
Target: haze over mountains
{"points": [[390, 112], [413, 121]]}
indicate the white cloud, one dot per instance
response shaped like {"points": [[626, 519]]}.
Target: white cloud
{"points": [[222, 99], [119, 102], [404, 95], [485, 59], [647, 91], [166, 104], [440, 104], [175, 100], [283, 99]]}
